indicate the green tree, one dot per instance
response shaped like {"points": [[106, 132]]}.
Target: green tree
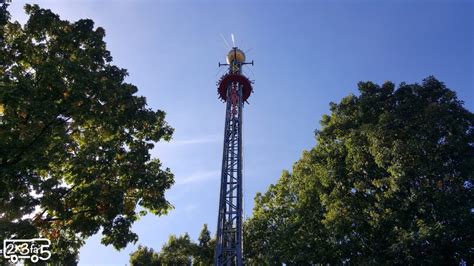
{"points": [[74, 137], [144, 256], [204, 251], [390, 181], [179, 250], [281, 229]]}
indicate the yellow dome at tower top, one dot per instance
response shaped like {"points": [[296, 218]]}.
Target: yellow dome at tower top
{"points": [[235, 54]]}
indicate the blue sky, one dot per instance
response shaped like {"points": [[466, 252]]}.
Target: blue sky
{"points": [[306, 53]]}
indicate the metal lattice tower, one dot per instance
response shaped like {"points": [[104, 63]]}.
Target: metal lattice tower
{"points": [[234, 88]]}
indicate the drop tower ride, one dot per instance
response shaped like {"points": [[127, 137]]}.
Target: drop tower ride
{"points": [[234, 89]]}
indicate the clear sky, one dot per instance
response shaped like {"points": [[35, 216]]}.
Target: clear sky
{"points": [[306, 53]]}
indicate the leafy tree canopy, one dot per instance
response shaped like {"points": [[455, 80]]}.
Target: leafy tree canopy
{"points": [[204, 250], [144, 256], [179, 250], [74, 137], [390, 181]]}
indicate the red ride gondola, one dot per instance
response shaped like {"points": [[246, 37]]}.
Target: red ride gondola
{"points": [[227, 80]]}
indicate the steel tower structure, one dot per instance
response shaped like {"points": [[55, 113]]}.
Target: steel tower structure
{"points": [[234, 89]]}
